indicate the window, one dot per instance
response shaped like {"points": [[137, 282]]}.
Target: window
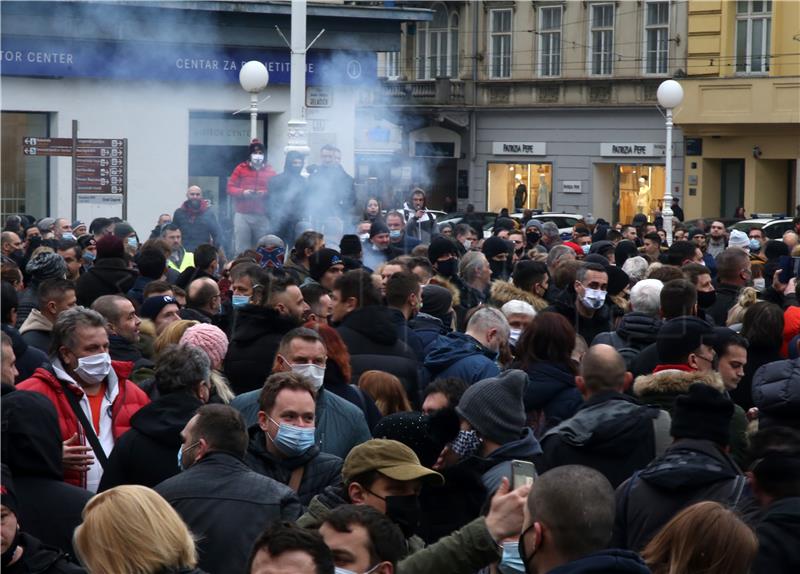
{"points": [[500, 43], [753, 29], [656, 30], [550, 41], [387, 65], [437, 46], [602, 39], [24, 177]]}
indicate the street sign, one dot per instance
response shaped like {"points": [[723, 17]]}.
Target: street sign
{"points": [[34, 146]]}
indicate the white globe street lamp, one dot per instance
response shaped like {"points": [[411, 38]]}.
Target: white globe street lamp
{"points": [[253, 77], [670, 95]]}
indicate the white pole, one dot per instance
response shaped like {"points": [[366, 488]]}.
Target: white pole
{"points": [[297, 137], [666, 212], [253, 116]]}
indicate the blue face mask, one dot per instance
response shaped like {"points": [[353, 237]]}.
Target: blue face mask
{"points": [[240, 300], [511, 561], [89, 257], [133, 242], [292, 440], [755, 245], [180, 454], [586, 249], [395, 234], [68, 236]]}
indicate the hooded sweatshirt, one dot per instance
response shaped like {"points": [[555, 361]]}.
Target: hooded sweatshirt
{"points": [[462, 356]]}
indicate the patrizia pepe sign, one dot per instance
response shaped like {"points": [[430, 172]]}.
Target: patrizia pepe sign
{"points": [[519, 148], [632, 150]]}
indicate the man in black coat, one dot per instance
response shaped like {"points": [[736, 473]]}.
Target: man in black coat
{"points": [[775, 481], [223, 502], [258, 329], [110, 274], [287, 192], [196, 222], [612, 432], [366, 328], [584, 303], [282, 443], [123, 330], [146, 453], [733, 273], [695, 468], [50, 509]]}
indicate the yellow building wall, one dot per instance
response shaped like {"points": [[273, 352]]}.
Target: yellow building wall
{"points": [[785, 47]]}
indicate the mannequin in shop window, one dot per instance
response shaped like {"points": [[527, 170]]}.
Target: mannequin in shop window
{"points": [[643, 202], [543, 194], [520, 194]]}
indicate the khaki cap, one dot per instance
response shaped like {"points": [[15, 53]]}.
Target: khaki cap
{"points": [[389, 457]]}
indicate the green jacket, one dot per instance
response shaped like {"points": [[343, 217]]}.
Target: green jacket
{"points": [[463, 552]]}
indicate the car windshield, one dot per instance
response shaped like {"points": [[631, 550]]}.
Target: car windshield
{"points": [[746, 226]]}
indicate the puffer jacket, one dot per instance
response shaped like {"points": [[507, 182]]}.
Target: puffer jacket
{"points": [[245, 177], [227, 506], [129, 400], [635, 332], [551, 391], [428, 329], [373, 344], [320, 470], [257, 333], [776, 392], [197, 226], [504, 291], [690, 471], [51, 509], [461, 356], [779, 537]]}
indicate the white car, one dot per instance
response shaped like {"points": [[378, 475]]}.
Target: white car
{"points": [[564, 221]]}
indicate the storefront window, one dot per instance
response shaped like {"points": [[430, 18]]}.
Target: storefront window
{"points": [[641, 190], [520, 186], [24, 178]]}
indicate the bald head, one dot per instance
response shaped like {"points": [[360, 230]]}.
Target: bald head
{"points": [[10, 242], [603, 369], [194, 192], [203, 295]]}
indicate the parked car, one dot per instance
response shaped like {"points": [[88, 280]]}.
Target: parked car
{"points": [[728, 222], [564, 221], [456, 218], [773, 228]]}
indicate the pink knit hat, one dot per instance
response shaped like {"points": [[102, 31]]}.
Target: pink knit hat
{"points": [[210, 339]]}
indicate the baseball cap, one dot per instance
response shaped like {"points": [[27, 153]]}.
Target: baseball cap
{"points": [[389, 457]]}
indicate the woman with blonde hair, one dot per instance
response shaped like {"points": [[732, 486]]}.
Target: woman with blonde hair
{"points": [[386, 390], [171, 335], [747, 298], [705, 538], [132, 530]]}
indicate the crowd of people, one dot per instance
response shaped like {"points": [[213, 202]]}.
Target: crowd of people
{"points": [[398, 395]]}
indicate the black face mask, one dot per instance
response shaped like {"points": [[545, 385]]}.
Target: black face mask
{"points": [[194, 203], [405, 512], [533, 238], [526, 558], [447, 268], [706, 299], [500, 269], [18, 256]]}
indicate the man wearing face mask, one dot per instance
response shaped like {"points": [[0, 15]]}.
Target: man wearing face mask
{"points": [[283, 446], [398, 238], [99, 391], [363, 540], [248, 186], [258, 329], [568, 522], [584, 303], [339, 425], [221, 500], [499, 254], [466, 238], [379, 249], [197, 223]]}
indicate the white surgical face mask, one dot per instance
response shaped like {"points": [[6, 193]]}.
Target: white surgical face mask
{"points": [[313, 372], [594, 298], [759, 283], [467, 243], [513, 336], [257, 157], [363, 236], [94, 368]]}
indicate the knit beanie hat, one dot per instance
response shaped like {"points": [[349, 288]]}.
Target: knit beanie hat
{"points": [[738, 239], [110, 246], [575, 247], [350, 245], [152, 306], [703, 413], [495, 246], [426, 435], [123, 229], [210, 339], [494, 406], [694, 231], [378, 227], [441, 246], [617, 280], [46, 224], [436, 301], [774, 249], [255, 144], [323, 260], [681, 336], [602, 247], [46, 265], [534, 223]]}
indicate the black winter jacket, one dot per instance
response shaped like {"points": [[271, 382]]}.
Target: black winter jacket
{"points": [[26, 302], [779, 538], [690, 471], [146, 454], [49, 509], [109, 276], [28, 358], [257, 333], [227, 506], [611, 433], [335, 383], [776, 393], [40, 559], [551, 390], [726, 298], [197, 226], [372, 341], [635, 331], [757, 356], [586, 327], [321, 470]]}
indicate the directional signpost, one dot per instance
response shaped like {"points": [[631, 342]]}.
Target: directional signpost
{"points": [[99, 166]]}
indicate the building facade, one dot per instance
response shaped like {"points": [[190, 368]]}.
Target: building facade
{"points": [[164, 77], [559, 97], [741, 112]]}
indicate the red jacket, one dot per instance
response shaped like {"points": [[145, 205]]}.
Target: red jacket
{"points": [[245, 177], [129, 400]]}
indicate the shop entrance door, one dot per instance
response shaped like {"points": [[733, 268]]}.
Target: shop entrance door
{"points": [[639, 189], [732, 182]]}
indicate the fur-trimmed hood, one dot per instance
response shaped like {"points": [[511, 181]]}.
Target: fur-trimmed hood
{"points": [[673, 382], [504, 291], [442, 281]]}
